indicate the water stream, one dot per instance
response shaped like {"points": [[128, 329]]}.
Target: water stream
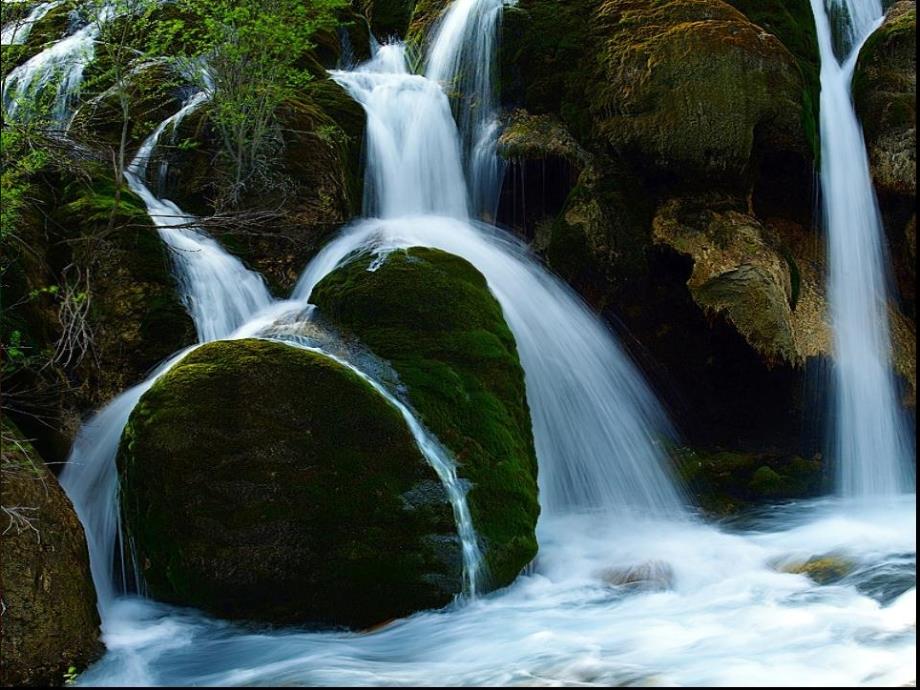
{"points": [[712, 604], [871, 444]]}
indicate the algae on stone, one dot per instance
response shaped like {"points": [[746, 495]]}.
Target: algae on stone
{"points": [[265, 482], [431, 315]]}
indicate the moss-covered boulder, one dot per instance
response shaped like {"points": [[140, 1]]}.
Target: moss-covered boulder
{"points": [[723, 482], [691, 86], [50, 622], [265, 482], [431, 315]]}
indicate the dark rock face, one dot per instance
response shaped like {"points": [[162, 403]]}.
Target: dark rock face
{"points": [[684, 214], [323, 133], [885, 92], [50, 623], [273, 484], [431, 315]]}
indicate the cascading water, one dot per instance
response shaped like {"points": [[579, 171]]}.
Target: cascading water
{"points": [[717, 609], [462, 59], [59, 66], [225, 300], [596, 425], [16, 32], [220, 293], [871, 445]]}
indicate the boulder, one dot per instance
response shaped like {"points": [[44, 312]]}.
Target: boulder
{"points": [[265, 482], [432, 317], [692, 87], [50, 622]]}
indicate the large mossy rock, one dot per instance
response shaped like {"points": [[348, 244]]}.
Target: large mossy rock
{"points": [[431, 315], [50, 623], [265, 482], [680, 87], [691, 86]]}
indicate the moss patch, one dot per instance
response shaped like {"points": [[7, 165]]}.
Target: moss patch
{"points": [[724, 482], [431, 315]]}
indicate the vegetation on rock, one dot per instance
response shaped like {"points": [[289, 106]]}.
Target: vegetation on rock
{"points": [[265, 482], [431, 315]]}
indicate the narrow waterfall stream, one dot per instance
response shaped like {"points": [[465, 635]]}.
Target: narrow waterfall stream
{"points": [[871, 443], [59, 67], [717, 604]]}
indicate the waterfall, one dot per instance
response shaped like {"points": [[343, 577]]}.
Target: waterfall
{"points": [[225, 300], [597, 427], [871, 446], [220, 293], [60, 66], [411, 137], [16, 32], [462, 59]]}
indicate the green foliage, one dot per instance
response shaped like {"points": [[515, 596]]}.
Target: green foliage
{"points": [[258, 56], [19, 158]]}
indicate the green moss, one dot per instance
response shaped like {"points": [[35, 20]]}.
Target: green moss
{"points": [[431, 315], [266, 482], [724, 482]]}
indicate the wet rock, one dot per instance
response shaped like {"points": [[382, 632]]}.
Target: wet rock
{"points": [[649, 576], [723, 482], [824, 570], [49, 617]]}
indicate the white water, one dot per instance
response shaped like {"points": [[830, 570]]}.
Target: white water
{"points": [[59, 67], [596, 425], [220, 293], [16, 32], [722, 614], [411, 132], [225, 300], [462, 59], [872, 446]]}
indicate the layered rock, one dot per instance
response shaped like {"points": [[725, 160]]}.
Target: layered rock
{"points": [[270, 483], [431, 315], [50, 623]]}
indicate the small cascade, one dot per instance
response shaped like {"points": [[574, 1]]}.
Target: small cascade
{"points": [[59, 67], [411, 138], [598, 429], [871, 444], [90, 479], [462, 59], [220, 293], [16, 32]]}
